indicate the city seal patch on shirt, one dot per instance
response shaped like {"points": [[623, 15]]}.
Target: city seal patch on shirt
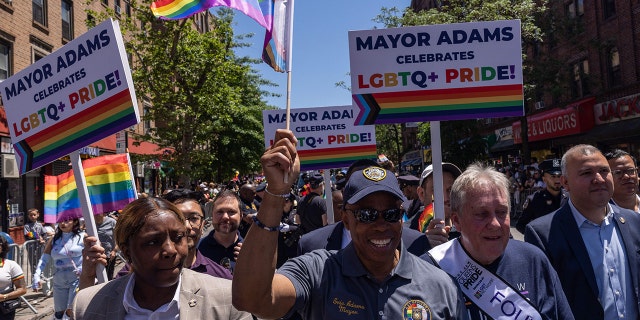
{"points": [[416, 310], [374, 173]]}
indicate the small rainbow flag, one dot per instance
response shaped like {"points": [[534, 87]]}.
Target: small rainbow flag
{"points": [[425, 218], [258, 10], [109, 182]]}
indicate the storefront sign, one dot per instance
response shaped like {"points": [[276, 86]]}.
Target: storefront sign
{"points": [[616, 110], [573, 119], [505, 133]]}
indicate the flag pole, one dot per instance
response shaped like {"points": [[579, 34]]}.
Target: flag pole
{"points": [[85, 204], [436, 161], [289, 41]]}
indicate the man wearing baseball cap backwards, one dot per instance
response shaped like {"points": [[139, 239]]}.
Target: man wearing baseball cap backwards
{"points": [[372, 278]]}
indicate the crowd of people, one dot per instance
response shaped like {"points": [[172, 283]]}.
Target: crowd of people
{"points": [[272, 252]]}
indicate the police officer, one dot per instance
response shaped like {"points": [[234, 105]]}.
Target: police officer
{"points": [[546, 200], [409, 187]]}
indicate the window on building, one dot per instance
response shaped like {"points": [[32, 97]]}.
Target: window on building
{"points": [[608, 8], [615, 74], [37, 54], [39, 48], [116, 6], [127, 8], [575, 9], [146, 120], [5, 59], [579, 85], [67, 19], [105, 2], [40, 11]]}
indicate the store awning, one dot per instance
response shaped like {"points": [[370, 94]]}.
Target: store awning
{"points": [[502, 145], [135, 147], [610, 131]]}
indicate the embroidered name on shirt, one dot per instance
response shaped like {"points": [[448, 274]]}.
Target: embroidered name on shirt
{"points": [[349, 307]]}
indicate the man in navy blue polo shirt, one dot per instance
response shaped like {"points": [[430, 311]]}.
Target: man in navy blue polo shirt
{"points": [[374, 277]]}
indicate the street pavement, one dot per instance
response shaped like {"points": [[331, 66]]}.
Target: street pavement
{"points": [[44, 305]]}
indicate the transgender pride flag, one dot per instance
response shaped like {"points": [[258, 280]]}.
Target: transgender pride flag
{"points": [[109, 181], [259, 10], [275, 15]]}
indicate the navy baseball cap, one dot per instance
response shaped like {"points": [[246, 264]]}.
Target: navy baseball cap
{"points": [[316, 179], [550, 166], [364, 182]]}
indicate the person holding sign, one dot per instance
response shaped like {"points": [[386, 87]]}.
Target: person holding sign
{"points": [[152, 234], [500, 277], [373, 277]]}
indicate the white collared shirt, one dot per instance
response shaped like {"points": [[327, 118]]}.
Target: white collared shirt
{"points": [[170, 310]]}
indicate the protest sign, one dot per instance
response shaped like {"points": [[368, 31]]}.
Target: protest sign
{"points": [[327, 136], [438, 72], [77, 95]]}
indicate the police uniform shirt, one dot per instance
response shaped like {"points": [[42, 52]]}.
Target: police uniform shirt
{"points": [[335, 285], [541, 203]]}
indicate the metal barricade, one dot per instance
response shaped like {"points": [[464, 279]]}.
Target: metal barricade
{"points": [[15, 253], [33, 249]]}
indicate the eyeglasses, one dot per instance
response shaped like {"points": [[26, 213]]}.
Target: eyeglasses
{"points": [[621, 172], [194, 220], [371, 215]]}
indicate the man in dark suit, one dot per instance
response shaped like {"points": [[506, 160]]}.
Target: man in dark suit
{"points": [[592, 245]]}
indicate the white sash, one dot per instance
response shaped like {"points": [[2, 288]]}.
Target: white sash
{"points": [[486, 290]]}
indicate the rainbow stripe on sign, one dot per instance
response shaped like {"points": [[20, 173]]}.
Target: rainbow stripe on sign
{"points": [[95, 123], [440, 104], [109, 183], [334, 157]]}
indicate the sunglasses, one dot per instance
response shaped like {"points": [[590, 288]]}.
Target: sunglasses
{"points": [[371, 215]]}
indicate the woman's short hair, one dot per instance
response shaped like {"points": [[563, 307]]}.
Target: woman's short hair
{"points": [[135, 214], [4, 244]]}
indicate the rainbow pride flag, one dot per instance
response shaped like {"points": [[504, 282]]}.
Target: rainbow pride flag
{"points": [[258, 10], [425, 218], [109, 181]]}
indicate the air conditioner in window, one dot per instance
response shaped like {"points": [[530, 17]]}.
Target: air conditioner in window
{"points": [[140, 170], [9, 166], [539, 105], [8, 1]]}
